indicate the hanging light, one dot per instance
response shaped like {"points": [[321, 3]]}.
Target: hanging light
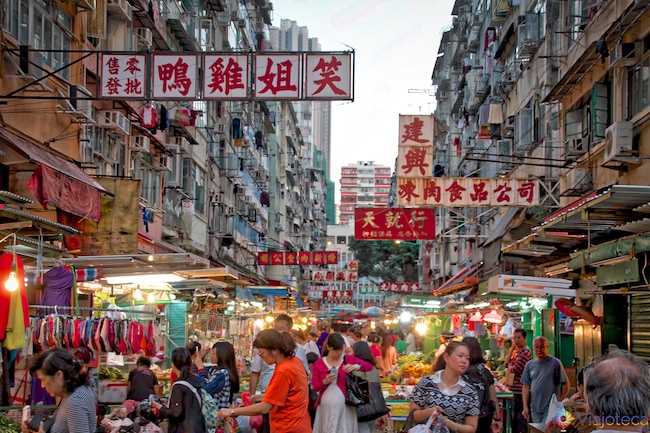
{"points": [[12, 280], [151, 297], [493, 317], [137, 294], [150, 258], [476, 317], [269, 319]]}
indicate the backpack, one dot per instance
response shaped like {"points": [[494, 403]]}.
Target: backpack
{"points": [[209, 407], [476, 376]]}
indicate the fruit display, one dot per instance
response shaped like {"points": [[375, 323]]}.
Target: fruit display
{"points": [[399, 409], [415, 370]]}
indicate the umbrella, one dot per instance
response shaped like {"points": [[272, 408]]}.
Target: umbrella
{"points": [[373, 311]]}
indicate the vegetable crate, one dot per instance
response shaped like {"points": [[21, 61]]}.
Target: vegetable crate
{"points": [[11, 416]]}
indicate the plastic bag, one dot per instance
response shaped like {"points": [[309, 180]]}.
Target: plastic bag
{"points": [[554, 409]]}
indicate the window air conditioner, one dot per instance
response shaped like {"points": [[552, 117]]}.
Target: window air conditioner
{"points": [[625, 54], [162, 163], [114, 121], [140, 143]]}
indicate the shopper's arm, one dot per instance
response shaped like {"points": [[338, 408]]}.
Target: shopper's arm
{"points": [[255, 409], [255, 377]]}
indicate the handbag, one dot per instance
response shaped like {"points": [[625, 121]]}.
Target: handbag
{"points": [[356, 391], [313, 400], [510, 378], [376, 408]]}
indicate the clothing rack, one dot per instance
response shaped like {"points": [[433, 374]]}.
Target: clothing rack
{"points": [[56, 309]]}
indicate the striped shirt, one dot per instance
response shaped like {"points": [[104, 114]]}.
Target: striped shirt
{"points": [[76, 413], [517, 367]]}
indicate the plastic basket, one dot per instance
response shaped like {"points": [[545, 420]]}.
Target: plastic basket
{"points": [[15, 413]]}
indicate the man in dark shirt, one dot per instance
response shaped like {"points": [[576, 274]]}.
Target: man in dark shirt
{"points": [[142, 381]]}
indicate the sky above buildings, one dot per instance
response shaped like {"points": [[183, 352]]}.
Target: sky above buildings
{"points": [[395, 43]]}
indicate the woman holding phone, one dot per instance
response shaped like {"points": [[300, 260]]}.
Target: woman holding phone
{"points": [[329, 379]]}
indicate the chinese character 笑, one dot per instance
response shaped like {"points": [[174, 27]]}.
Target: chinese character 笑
{"points": [[280, 81], [133, 86], [415, 158], [502, 191], [328, 74], [479, 194], [113, 86], [226, 78], [370, 220], [455, 192], [392, 220], [527, 191], [413, 131], [407, 191], [432, 190], [113, 66], [132, 65], [418, 216], [177, 72]]}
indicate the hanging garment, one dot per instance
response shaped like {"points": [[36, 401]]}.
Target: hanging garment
{"points": [[163, 122], [58, 282], [16, 318], [265, 199], [182, 116]]}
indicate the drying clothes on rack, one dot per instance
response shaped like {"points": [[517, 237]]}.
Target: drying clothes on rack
{"points": [[103, 335]]}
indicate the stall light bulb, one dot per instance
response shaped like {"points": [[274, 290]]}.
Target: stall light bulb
{"points": [[406, 316], [304, 320], [421, 328], [269, 319], [12, 282], [151, 297], [150, 258], [373, 325], [137, 294]]}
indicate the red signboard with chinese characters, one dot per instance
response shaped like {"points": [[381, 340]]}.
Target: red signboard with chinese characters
{"points": [[226, 76], [338, 296], [328, 76], [175, 76], [462, 192], [380, 223], [298, 258], [399, 287], [123, 76]]}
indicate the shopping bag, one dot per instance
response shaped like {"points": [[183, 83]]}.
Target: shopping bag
{"points": [[510, 378], [423, 428], [356, 391], [376, 408], [554, 409]]}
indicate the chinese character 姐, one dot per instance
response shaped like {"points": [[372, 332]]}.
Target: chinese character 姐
{"points": [[280, 81]]}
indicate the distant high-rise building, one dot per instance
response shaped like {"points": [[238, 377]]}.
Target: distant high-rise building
{"points": [[363, 184], [314, 117]]}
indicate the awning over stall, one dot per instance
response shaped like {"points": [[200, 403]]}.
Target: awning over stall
{"points": [[530, 286]]}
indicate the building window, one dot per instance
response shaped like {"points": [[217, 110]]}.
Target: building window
{"points": [[638, 84], [44, 26], [149, 180], [193, 184], [341, 240]]}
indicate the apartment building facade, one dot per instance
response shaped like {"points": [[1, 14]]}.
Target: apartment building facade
{"points": [[363, 184], [218, 179], [555, 91]]}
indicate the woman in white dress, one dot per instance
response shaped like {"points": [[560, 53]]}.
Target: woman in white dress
{"points": [[329, 379]]}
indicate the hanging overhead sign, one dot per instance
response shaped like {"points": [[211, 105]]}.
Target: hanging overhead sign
{"points": [[382, 223], [227, 76], [298, 258], [399, 287], [468, 191]]}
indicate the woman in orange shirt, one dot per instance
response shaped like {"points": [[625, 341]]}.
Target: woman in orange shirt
{"points": [[286, 398]]}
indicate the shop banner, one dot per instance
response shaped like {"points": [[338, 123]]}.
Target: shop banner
{"points": [[467, 191], [381, 223], [298, 258], [335, 275], [225, 76], [399, 287], [338, 296]]}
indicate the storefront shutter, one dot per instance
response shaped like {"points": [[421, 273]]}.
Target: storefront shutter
{"points": [[640, 326], [177, 326]]}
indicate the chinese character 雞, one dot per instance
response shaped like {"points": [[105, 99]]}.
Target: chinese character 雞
{"points": [[178, 72], [413, 131], [229, 75], [280, 81], [328, 74], [415, 158]]}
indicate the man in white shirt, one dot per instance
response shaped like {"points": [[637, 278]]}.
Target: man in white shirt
{"points": [[410, 342]]}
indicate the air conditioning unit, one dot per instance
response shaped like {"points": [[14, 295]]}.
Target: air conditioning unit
{"points": [[119, 9], [229, 211], [575, 146], [217, 198], [142, 39], [162, 163], [579, 179], [140, 143], [241, 22], [114, 121], [37, 64], [443, 95], [79, 104], [182, 143], [221, 128], [234, 15], [625, 54], [618, 141]]}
